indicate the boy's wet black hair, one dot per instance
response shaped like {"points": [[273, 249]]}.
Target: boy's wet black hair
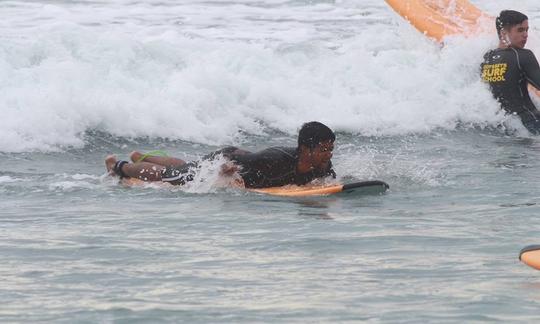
{"points": [[313, 133], [509, 18]]}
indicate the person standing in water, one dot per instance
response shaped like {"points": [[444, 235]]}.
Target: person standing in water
{"points": [[510, 68], [272, 167]]}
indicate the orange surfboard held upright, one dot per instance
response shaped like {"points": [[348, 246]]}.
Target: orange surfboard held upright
{"points": [[441, 18]]}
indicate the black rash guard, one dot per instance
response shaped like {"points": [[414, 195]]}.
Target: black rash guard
{"points": [[508, 70], [275, 167], [272, 167]]}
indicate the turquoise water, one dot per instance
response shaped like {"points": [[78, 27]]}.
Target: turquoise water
{"points": [[441, 246]]}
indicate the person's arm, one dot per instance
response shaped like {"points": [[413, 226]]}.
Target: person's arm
{"points": [[530, 67], [254, 168], [228, 169]]}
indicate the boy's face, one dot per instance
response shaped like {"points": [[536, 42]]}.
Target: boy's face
{"points": [[321, 155], [517, 35]]}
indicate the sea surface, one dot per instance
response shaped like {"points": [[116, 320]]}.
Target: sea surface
{"points": [[83, 79]]}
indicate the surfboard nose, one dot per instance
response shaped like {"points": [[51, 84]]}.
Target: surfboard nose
{"points": [[530, 255]]}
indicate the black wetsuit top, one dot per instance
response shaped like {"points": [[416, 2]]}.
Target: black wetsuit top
{"points": [[508, 70], [272, 167]]}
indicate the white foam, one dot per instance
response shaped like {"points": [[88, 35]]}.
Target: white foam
{"points": [[188, 71], [8, 179], [68, 186], [79, 176], [209, 178]]}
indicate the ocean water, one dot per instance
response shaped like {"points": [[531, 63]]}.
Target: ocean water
{"points": [[83, 79]]}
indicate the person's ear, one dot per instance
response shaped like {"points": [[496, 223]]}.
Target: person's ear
{"points": [[504, 37]]}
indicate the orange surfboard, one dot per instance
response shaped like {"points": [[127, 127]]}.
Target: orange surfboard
{"points": [[365, 187], [361, 188], [439, 19], [442, 18], [530, 255]]}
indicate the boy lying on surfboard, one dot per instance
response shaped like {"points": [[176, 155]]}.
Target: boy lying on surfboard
{"points": [[510, 67], [272, 167]]}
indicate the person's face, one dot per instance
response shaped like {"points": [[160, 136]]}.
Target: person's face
{"points": [[517, 35], [321, 154]]}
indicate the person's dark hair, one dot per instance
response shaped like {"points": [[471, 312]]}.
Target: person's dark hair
{"points": [[509, 18], [313, 133]]}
